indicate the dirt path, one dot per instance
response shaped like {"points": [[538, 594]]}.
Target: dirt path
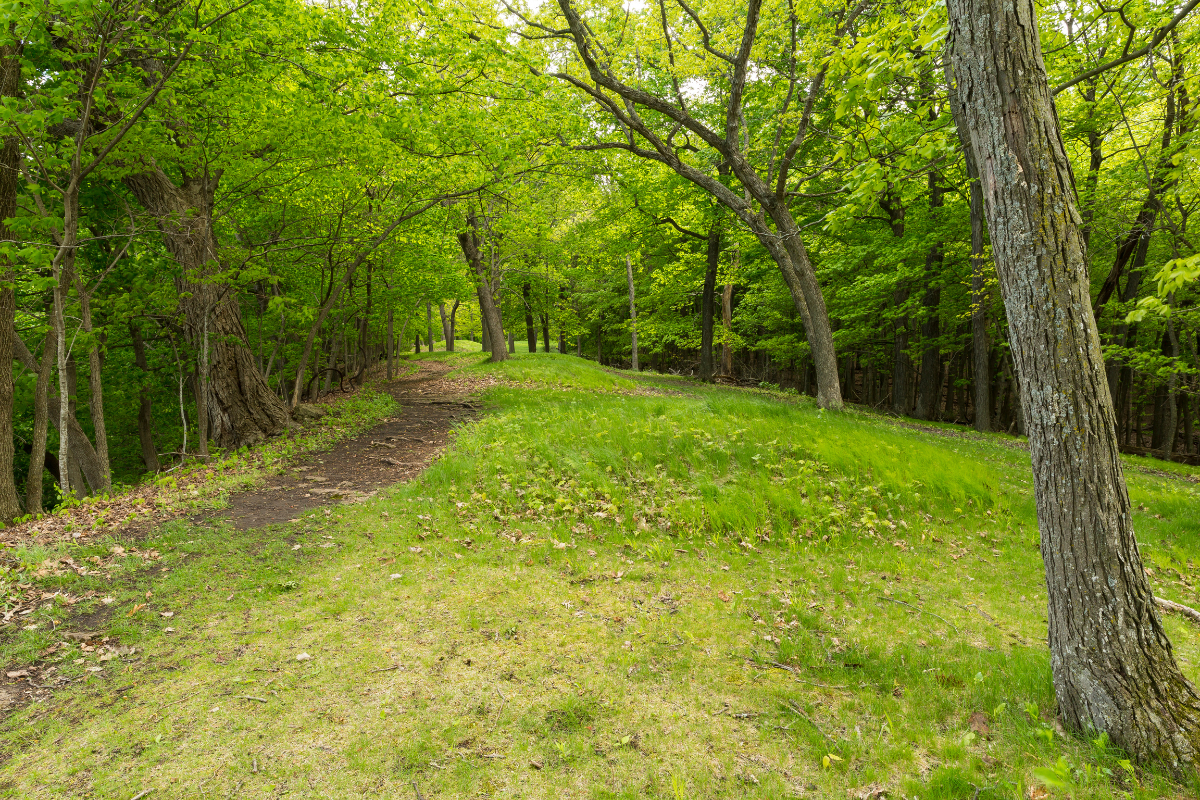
{"points": [[392, 452]]}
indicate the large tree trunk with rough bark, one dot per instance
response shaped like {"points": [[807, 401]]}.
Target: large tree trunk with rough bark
{"points": [[1112, 663], [10, 84], [242, 409], [469, 241]]}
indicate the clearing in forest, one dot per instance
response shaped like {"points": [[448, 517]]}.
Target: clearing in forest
{"points": [[603, 587]]}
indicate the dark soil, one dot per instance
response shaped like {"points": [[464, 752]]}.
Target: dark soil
{"points": [[392, 452]]}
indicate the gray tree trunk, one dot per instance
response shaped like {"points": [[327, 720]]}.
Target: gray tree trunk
{"points": [[530, 329], [727, 325], [981, 346], [708, 302], [1111, 660], [391, 341], [469, 241], [632, 313], [241, 408], [41, 418]]}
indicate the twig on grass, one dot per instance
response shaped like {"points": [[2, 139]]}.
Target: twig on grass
{"points": [[795, 672], [923, 611], [142, 793], [800, 713], [386, 669], [500, 710], [418, 791], [1187, 611], [251, 697]]}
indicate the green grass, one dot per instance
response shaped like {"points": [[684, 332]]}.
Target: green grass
{"points": [[607, 594]]}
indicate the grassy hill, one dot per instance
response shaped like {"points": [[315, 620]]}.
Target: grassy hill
{"points": [[611, 587]]}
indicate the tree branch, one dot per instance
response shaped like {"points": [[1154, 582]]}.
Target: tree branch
{"points": [[1154, 42]]}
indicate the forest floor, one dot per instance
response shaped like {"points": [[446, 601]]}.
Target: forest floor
{"points": [[574, 583]]}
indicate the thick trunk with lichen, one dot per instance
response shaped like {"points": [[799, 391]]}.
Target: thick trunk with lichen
{"points": [[1112, 663], [241, 407]]}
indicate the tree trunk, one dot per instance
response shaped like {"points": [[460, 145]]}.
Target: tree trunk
{"points": [[981, 347], [979, 298], [448, 325], [10, 86], [391, 341], [96, 394], [1166, 412], [145, 417], [241, 407], [545, 320], [900, 361], [469, 241], [512, 343], [530, 329], [82, 450], [632, 313], [41, 418], [1111, 660], [708, 301], [727, 325], [429, 325], [1185, 411]]}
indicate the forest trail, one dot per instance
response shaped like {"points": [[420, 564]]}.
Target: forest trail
{"points": [[394, 451]]}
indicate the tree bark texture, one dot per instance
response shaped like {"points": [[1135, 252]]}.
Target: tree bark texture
{"points": [[242, 409], [469, 241], [1112, 663]]}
